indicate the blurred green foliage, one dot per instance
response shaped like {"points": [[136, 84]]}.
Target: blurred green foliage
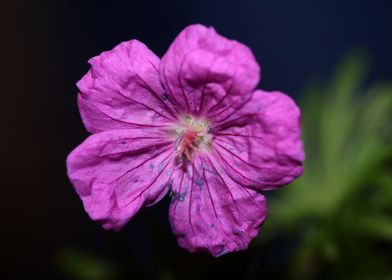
{"points": [[80, 265], [339, 211]]}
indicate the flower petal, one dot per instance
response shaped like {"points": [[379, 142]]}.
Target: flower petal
{"points": [[212, 213], [122, 90], [117, 172], [202, 70], [260, 144]]}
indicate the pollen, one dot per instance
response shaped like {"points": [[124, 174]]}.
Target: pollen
{"points": [[192, 135]]}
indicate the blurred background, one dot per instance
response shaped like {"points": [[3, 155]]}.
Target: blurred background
{"points": [[333, 57]]}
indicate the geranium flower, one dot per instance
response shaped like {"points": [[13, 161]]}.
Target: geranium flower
{"points": [[192, 125]]}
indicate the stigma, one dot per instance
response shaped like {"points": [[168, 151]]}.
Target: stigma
{"points": [[192, 136]]}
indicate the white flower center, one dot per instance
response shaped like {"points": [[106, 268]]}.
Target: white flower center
{"points": [[192, 135]]}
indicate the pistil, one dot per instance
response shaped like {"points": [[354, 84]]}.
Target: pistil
{"points": [[192, 136]]}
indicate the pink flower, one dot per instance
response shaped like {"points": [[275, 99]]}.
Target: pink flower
{"points": [[191, 124]]}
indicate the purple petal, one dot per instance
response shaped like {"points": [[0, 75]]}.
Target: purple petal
{"points": [[117, 172], [203, 70], [210, 212], [260, 144], [122, 90]]}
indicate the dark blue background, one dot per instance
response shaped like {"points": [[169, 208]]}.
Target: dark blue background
{"points": [[292, 40]]}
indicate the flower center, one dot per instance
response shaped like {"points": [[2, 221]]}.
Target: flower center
{"points": [[192, 135]]}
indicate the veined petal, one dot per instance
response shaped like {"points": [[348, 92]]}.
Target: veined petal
{"points": [[210, 212], [117, 172], [203, 70], [260, 144], [122, 90]]}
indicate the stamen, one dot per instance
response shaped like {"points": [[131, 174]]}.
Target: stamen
{"points": [[192, 136]]}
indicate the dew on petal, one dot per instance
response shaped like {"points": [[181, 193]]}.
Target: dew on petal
{"points": [[199, 182], [177, 196], [160, 166]]}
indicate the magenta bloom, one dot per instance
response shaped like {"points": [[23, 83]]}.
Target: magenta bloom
{"points": [[191, 124]]}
